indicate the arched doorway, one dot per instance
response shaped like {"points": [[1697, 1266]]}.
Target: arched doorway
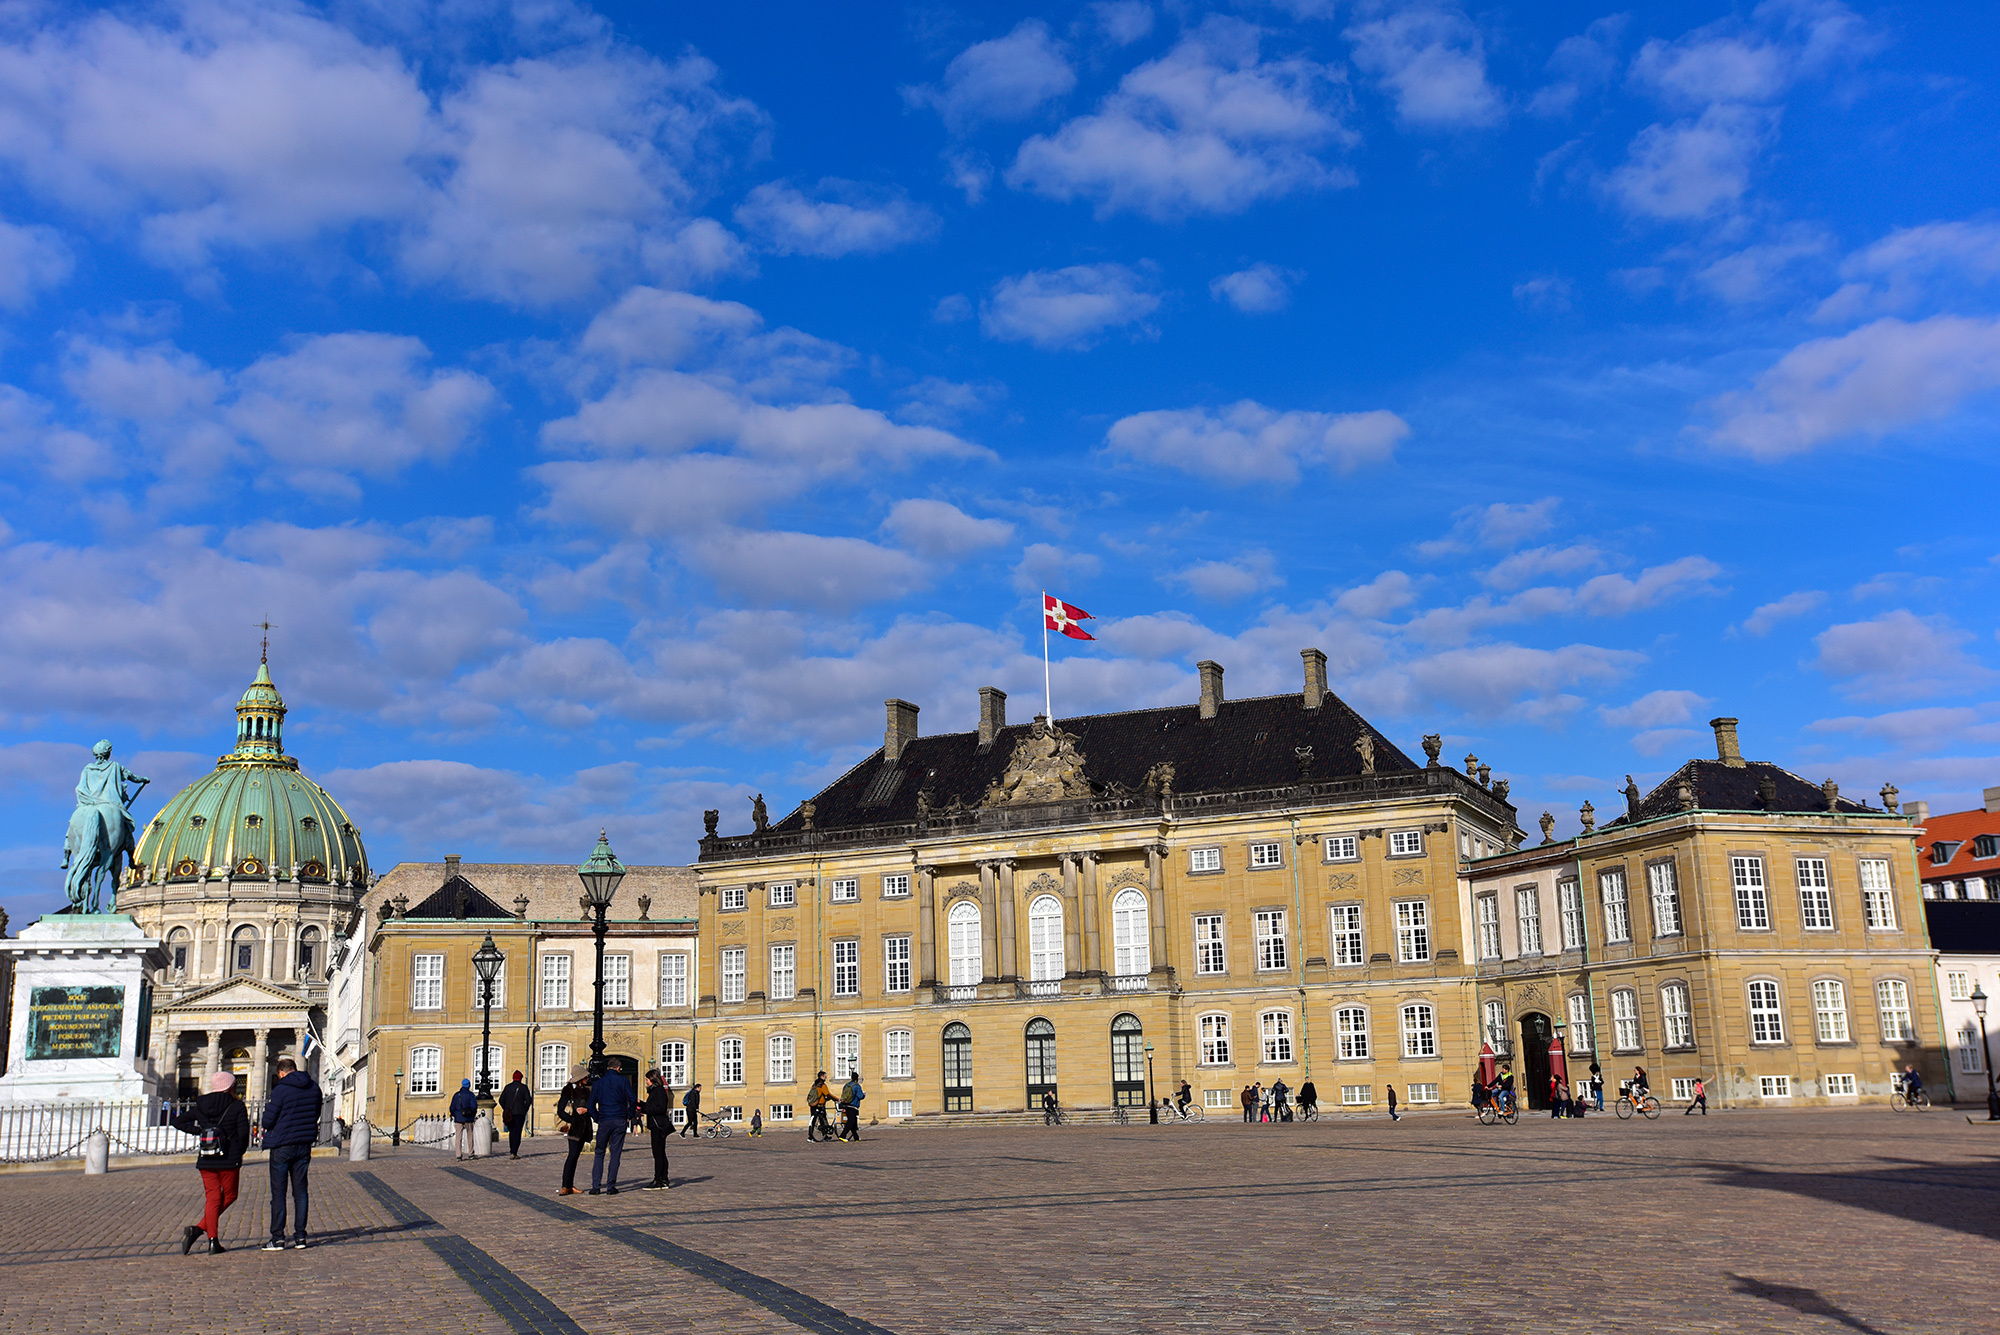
{"points": [[957, 1068], [1041, 1061], [1128, 1062], [1533, 1062]]}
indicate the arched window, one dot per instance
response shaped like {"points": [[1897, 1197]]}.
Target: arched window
{"points": [[1676, 1016], [243, 950], [1276, 1030], [1351, 1023], [1045, 939], [309, 959], [729, 1061], [1767, 1016], [178, 943], [552, 1066], [1496, 1026], [426, 1066], [1579, 1023], [1625, 1035], [1128, 1062], [778, 1060], [1419, 1031], [1214, 1032], [1131, 942], [958, 1066], [1041, 1061], [967, 963], [846, 1054], [898, 1054]]}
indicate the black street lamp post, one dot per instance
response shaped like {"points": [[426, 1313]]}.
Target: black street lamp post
{"points": [[486, 962], [396, 1131], [1152, 1104], [1992, 1097], [600, 875]]}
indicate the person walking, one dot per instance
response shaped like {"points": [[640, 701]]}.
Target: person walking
{"points": [[1394, 1116], [291, 1125], [573, 1120], [1249, 1098], [1597, 1086], [1280, 1111], [1555, 1097], [816, 1101], [851, 1095], [757, 1121], [659, 1110], [691, 1101], [515, 1101], [222, 1130], [1308, 1097], [464, 1112], [1700, 1098], [612, 1107]]}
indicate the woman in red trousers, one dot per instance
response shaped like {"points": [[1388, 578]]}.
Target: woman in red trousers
{"points": [[222, 1137]]}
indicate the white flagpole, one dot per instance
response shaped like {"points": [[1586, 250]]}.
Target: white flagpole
{"points": [[1048, 701]]}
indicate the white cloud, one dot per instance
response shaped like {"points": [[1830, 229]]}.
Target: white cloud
{"points": [[1228, 581], [1898, 655], [935, 401], [953, 309], [940, 531], [1210, 127], [1616, 595], [1068, 308], [1692, 169], [1761, 621], [1247, 442], [1654, 709], [1006, 79], [1123, 22], [805, 569], [1046, 566], [1502, 679], [1501, 525], [1514, 571], [1581, 64], [1934, 729], [1543, 292], [1379, 597], [1877, 379], [1912, 265], [1755, 272], [32, 260], [846, 218], [1432, 60], [1257, 290]]}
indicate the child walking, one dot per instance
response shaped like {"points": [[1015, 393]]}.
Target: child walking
{"points": [[757, 1122]]}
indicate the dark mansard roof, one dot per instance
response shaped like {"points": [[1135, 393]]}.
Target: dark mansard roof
{"points": [[1720, 787]]}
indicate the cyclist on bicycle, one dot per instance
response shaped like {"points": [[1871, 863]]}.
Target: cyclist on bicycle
{"points": [[1503, 1088], [1308, 1099], [1639, 1088], [1913, 1084], [1048, 1107], [1183, 1099]]}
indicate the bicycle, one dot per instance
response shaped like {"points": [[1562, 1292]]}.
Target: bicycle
{"points": [[1309, 1113], [1641, 1102], [1900, 1100], [1173, 1112], [814, 1134], [717, 1129], [1059, 1113], [1499, 1110]]}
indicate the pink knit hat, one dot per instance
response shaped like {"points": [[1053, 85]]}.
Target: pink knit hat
{"points": [[221, 1082]]}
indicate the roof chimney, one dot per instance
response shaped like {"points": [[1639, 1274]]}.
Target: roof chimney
{"points": [[1726, 749], [450, 865], [902, 730], [1992, 796], [1211, 687], [992, 714], [1315, 678], [1918, 812]]}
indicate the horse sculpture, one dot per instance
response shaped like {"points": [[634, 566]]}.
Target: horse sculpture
{"points": [[100, 839]]}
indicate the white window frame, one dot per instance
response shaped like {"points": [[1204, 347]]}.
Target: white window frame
{"points": [[1274, 1032], [1213, 1037], [966, 946], [1829, 999], [1421, 1091], [1406, 843], [780, 1059], [847, 967], [674, 977], [1493, 1019], [1774, 1086], [1528, 918], [844, 890], [1878, 895], [1420, 1037], [555, 983], [1205, 860], [1676, 1016], [1577, 1008], [1211, 949], [1356, 1096], [496, 1056], [1815, 894], [1753, 894], [783, 894], [1273, 942], [899, 1054], [733, 897], [1045, 939], [499, 989], [1131, 934], [427, 982], [1267, 855], [1342, 848], [1767, 1011], [896, 964], [846, 1053], [674, 1062], [729, 1062], [1892, 1006], [896, 886], [1971, 1057], [1347, 929], [1628, 1031], [1841, 1086], [1617, 900], [1486, 911], [1350, 1025], [426, 1069], [784, 984], [551, 1067], [1957, 985], [1663, 890], [618, 980], [735, 974], [1569, 898], [1413, 931]]}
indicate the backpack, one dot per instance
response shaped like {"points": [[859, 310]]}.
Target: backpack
{"points": [[210, 1142]]}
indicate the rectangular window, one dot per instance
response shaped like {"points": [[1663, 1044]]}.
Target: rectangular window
{"points": [[895, 964], [846, 1054], [1753, 908], [1892, 999], [1271, 939], [499, 989], [552, 1066], [1214, 1032], [555, 982], [674, 1063], [902, 1107], [1840, 1086], [1204, 859], [1209, 956], [1276, 1028], [1347, 934], [1971, 1054], [1684, 1089], [1579, 1023], [1958, 985], [1422, 1092], [779, 1062], [1341, 848], [784, 894], [1774, 1086], [1815, 896], [1625, 1033], [1351, 1022], [1569, 895], [1413, 931], [1617, 911], [896, 887], [1663, 886], [898, 1055], [426, 1068], [496, 1061], [1878, 897], [618, 980], [1263, 857], [780, 1112], [729, 1062], [1406, 843], [1767, 1021], [1489, 927], [846, 890], [1528, 918], [1677, 1015], [731, 1112], [426, 982], [784, 973], [1217, 1098], [1829, 1011], [674, 978], [1420, 1038], [1356, 1096], [1496, 1026], [734, 897], [735, 972], [847, 968]]}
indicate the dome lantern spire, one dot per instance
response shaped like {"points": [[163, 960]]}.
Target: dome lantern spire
{"points": [[260, 719]]}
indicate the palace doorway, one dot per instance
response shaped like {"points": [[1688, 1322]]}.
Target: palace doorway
{"points": [[1534, 1066], [1041, 1061]]}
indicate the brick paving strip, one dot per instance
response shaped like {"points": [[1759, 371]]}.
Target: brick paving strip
{"points": [[525, 1310], [799, 1309]]}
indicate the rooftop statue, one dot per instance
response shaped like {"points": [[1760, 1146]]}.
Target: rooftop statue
{"points": [[100, 829]]}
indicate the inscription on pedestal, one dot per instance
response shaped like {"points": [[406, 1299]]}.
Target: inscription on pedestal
{"points": [[66, 1022]]}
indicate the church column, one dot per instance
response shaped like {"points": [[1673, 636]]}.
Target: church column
{"points": [[214, 1056], [927, 927], [1072, 918], [1010, 942], [1093, 943], [989, 923], [1156, 902], [260, 1076]]}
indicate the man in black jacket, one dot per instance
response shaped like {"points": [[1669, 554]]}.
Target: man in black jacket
{"points": [[291, 1125], [515, 1100], [659, 1109], [692, 1102]]}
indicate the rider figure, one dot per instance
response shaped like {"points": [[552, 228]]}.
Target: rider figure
{"points": [[1184, 1098], [102, 805], [1913, 1084], [1639, 1087], [1048, 1107]]}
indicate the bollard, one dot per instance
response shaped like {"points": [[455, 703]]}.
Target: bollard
{"points": [[97, 1152], [358, 1143], [482, 1135]]}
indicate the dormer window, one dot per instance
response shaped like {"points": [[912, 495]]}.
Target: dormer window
{"points": [[197, 821], [1986, 846], [308, 823], [253, 820], [1944, 850]]}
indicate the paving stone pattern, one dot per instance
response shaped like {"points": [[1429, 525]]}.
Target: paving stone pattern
{"points": [[1850, 1220]]}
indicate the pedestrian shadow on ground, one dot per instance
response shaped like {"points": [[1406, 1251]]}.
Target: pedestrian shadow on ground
{"points": [[690, 1181], [1806, 1302], [1957, 1196]]}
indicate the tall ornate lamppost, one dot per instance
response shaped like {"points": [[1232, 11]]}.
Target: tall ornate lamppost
{"points": [[1992, 1097], [396, 1131], [1152, 1105], [486, 962], [600, 875]]}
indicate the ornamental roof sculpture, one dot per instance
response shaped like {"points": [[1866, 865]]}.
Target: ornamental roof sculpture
{"points": [[1045, 767]]}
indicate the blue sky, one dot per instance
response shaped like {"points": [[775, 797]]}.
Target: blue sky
{"points": [[612, 406]]}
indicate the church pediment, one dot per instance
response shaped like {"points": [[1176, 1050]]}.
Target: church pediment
{"points": [[239, 994]]}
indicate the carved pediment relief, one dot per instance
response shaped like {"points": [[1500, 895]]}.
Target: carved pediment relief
{"points": [[1130, 876], [1045, 884], [1046, 767], [962, 890]]}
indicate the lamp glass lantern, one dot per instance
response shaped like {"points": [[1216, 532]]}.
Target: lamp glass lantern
{"points": [[486, 962], [1979, 1001], [600, 873]]}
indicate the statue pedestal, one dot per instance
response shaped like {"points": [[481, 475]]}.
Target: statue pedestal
{"points": [[83, 1011]]}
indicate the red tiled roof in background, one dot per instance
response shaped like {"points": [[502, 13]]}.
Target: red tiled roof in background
{"points": [[1961, 828]]}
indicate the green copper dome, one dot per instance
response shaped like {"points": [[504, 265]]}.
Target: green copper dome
{"points": [[256, 816]]}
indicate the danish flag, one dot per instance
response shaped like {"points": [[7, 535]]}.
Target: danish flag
{"points": [[1059, 615]]}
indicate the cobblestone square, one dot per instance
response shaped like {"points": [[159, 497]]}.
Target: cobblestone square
{"points": [[1862, 1220]]}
